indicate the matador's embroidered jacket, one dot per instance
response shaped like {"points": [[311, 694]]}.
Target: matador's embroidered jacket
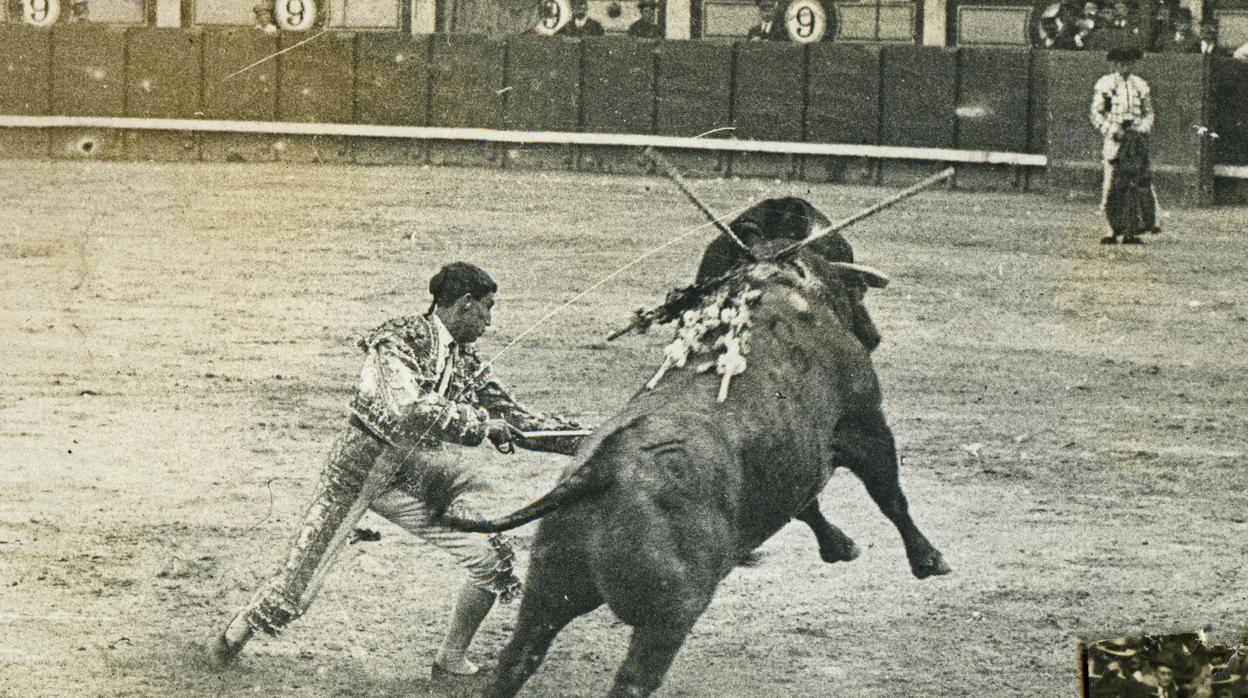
{"points": [[413, 390]]}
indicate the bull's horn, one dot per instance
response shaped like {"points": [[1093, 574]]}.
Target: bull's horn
{"points": [[873, 277]]}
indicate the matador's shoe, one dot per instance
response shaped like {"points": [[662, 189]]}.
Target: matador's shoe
{"points": [[458, 670], [227, 646]]}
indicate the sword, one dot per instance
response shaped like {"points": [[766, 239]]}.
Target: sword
{"points": [[551, 433]]}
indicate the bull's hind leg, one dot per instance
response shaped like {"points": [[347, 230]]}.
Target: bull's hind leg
{"points": [[651, 651], [866, 444], [834, 545], [554, 595]]}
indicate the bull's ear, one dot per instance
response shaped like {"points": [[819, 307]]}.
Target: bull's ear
{"points": [[871, 277]]}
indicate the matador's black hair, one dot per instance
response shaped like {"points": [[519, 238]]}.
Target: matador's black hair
{"points": [[456, 279]]}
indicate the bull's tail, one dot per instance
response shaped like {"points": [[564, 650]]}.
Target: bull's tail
{"points": [[439, 484], [588, 479]]}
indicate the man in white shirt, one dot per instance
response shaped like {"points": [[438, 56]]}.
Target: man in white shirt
{"points": [[1122, 104], [422, 385]]}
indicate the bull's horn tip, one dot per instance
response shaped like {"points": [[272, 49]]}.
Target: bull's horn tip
{"points": [[873, 277]]}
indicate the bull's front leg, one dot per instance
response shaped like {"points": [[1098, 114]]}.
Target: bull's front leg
{"points": [[865, 443], [834, 545]]}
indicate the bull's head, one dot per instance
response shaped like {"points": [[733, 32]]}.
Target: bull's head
{"points": [[847, 285], [773, 224]]}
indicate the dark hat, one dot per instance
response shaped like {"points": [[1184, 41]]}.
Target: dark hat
{"points": [[1220, 656], [1124, 53], [643, 4]]}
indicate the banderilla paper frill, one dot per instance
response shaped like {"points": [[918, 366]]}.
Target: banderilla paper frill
{"points": [[718, 333]]}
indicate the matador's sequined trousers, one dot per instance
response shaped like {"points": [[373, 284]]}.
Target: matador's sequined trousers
{"points": [[363, 473]]}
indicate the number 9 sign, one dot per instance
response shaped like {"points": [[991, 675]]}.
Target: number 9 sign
{"points": [[552, 15], [41, 13], [294, 15], [806, 21]]}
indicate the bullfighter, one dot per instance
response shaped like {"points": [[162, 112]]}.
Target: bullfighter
{"points": [[422, 385], [1122, 110]]}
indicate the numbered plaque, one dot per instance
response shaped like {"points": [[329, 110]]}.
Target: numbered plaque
{"points": [[294, 15], [806, 21], [554, 14], [40, 13]]}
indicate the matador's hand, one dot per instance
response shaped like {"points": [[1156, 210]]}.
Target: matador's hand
{"points": [[502, 434]]}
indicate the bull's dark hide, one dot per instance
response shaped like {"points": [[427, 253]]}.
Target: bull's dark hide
{"points": [[670, 493]]}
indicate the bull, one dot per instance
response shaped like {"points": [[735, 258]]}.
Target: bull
{"points": [[668, 495]]}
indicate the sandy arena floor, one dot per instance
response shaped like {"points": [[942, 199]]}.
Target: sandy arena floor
{"points": [[176, 353]]}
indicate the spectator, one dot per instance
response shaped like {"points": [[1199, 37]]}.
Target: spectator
{"points": [[1057, 27], [265, 21], [1163, 24], [770, 25], [1088, 25], [1197, 684], [1119, 677], [1123, 28], [1180, 38], [647, 27], [1120, 15], [1163, 672], [581, 25], [1209, 38], [1225, 686]]}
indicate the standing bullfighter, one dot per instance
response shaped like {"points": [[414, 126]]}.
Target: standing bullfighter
{"points": [[422, 384], [1122, 110]]}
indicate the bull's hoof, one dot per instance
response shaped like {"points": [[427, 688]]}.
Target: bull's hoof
{"points": [[932, 566], [447, 684], [843, 553]]}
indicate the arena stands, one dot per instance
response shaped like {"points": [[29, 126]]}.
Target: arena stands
{"points": [[206, 83]]}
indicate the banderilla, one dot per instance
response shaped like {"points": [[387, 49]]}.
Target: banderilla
{"points": [[683, 298], [670, 172]]}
